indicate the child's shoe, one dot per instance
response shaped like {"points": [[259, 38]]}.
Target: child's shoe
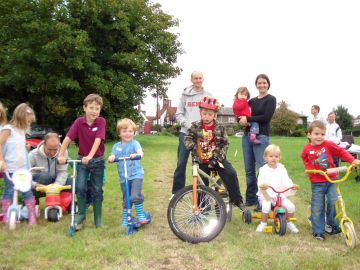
{"points": [[140, 215], [331, 230], [253, 139], [292, 228], [319, 236], [261, 227]]}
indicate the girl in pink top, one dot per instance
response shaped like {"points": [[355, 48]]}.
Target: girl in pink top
{"points": [[241, 108]]}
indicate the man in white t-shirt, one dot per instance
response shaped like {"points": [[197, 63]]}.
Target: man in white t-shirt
{"points": [[333, 133], [315, 110]]}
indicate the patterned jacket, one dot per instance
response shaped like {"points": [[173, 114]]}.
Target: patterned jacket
{"points": [[220, 139]]}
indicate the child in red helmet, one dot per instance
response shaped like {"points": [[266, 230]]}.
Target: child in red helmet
{"points": [[209, 141]]}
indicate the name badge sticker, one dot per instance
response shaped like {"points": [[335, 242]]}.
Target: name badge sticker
{"points": [[95, 129]]}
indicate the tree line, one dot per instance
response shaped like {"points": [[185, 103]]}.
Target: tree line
{"points": [[55, 52]]}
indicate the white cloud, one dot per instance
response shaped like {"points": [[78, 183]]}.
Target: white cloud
{"points": [[309, 49]]}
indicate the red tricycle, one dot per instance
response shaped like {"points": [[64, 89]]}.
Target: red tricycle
{"points": [[56, 202], [278, 214]]}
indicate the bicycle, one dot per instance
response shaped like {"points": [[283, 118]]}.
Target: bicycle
{"points": [[197, 213], [72, 228], [346, 224]]}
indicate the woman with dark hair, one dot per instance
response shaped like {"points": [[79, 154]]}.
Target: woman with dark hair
{"points": [[262, 109]]}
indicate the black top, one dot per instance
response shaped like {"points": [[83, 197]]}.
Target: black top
{"points": [[262, 110]]}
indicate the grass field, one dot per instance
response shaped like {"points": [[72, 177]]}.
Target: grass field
{"points": [[47, 246]]}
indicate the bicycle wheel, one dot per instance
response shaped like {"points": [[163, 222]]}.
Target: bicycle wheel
{"points": [[228, 206], [12, 220], [349, 235], [201, 226], [280, 224]]}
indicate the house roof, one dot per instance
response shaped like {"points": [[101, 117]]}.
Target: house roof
{"points": [[226, 111]]}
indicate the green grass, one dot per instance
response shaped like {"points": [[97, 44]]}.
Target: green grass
{"points": [[47, 246]]}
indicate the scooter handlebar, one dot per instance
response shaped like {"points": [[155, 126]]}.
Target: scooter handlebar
{"points": [[137, 157]]}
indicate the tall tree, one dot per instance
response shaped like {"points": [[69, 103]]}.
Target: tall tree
{"points": [[284, 120], [343, 118], [55, 52]]}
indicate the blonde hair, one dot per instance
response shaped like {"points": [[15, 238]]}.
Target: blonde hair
{"points": [[20, 114], [272, 148], [93, 98], [3, 118], [125, 123], [243, 90]]}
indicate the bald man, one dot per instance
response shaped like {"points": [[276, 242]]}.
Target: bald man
{"points": [[45, 155], [186, 113]]}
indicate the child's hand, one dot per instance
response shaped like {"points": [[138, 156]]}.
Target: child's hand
{"points": [[85, 160], [296, 187], [61, 160], [133, 156], [111, 158], [356, 162], [263, 186], [2, 166]]}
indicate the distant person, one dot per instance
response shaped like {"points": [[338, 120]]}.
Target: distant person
{"points": [[186, 113], [274, 174], [89, 130], [315, 111], [333, 133], [241, 107], [262, 109]]}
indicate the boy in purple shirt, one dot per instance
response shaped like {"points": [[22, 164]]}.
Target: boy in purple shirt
{"points": [[90, 131]]}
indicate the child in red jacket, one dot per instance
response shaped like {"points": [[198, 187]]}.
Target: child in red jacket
{"points": [[318, 154], [242, 108]]}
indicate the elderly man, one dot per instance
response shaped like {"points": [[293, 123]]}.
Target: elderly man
{"points": [[45, 155]]}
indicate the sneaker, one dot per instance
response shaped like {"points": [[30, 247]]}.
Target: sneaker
{"points": [[331, 230], [319, 236], [172, 195], [291, 227], [261, 227]]}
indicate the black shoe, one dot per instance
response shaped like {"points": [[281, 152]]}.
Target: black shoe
{"points": [[319, 236]]}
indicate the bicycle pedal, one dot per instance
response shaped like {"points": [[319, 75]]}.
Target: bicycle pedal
{"points": [[268, 229]]}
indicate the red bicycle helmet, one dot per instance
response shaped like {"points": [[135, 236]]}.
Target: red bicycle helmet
{"points": [[210, 103]]}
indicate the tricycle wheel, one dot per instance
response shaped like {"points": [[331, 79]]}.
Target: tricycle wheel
{"points": [[53, 215], [228, 206], [247, 216], [12, 220], [280, 224], [350, 235]]}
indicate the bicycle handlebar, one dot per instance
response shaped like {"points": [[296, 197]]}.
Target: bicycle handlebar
{"points": [[283, 191], [53, 188], [333, 170]]}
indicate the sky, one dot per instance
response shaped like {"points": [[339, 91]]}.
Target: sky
{"points": [[309, 49]]}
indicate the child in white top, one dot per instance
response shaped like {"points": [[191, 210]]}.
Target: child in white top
{"points": [[274, 174], [13, 156]]}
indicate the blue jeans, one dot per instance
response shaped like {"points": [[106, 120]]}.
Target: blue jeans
{"points": [[135, 188], [182, 159], [253, 157], [319, 191], [95, 169], [9, 190]]}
